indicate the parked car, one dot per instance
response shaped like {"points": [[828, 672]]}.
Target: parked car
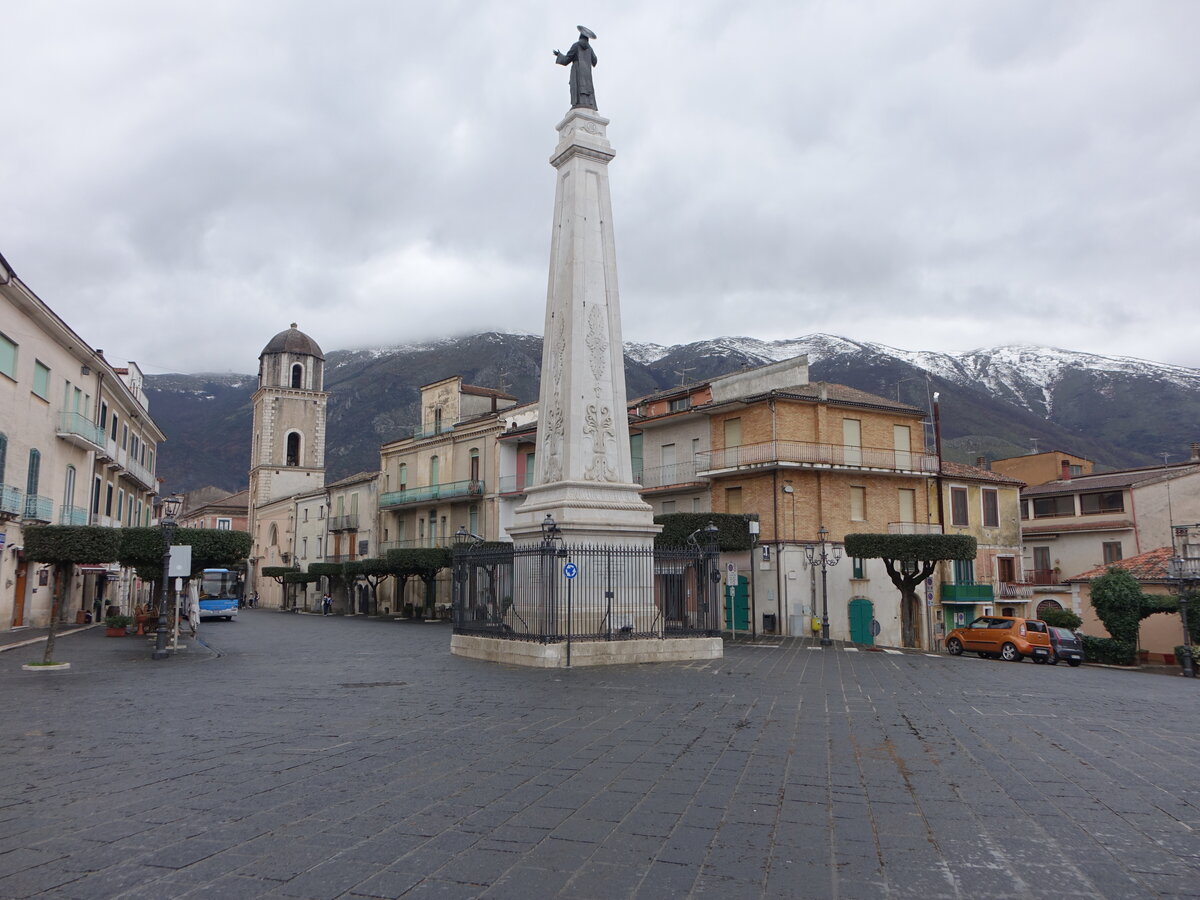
{"points": [[1006, 637], [1065, 644]]}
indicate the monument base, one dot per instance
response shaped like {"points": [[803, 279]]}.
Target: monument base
{"points": [[586, 653]]}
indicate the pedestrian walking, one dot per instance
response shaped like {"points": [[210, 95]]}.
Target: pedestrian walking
{"points": [[326, 605]]}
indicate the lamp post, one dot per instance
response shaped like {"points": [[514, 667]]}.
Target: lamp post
{"points": [[552, 545], [170, 509], [826, 557], [1185, 575]]}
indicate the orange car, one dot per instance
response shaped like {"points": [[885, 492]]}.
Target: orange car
{"points": [[1009, 638]]}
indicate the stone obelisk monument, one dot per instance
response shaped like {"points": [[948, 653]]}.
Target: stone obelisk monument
{"points": [[583, 473]]}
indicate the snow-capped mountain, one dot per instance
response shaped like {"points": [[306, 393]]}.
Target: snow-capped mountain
{"points": [[995, 402]]}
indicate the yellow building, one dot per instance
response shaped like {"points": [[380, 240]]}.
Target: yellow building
{"points": [[821, 455], [985, 505]]}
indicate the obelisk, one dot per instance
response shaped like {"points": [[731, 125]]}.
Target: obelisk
{"points": [[582, 471]]}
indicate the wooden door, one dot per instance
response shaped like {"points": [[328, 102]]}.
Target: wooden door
{"points": [[19, 595]]}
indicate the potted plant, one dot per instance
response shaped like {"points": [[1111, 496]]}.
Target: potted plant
{"points": [[114, 626]]}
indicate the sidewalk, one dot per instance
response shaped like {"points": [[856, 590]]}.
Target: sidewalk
{"points": [[25, 637]]}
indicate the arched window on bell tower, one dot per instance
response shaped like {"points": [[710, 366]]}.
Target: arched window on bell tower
{"points": [[297, 376], [293, 448]]}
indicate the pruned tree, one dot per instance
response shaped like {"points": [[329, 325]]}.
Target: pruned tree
{"points": [[733, 530], [335, 572], [909, 560], [64, 546], [212, 548], [418, 562], [1121, 604], [1061, 618], [372, 570], [293, 578]]}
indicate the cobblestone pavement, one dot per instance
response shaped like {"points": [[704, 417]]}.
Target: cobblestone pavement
{"points": [[309, 757]]}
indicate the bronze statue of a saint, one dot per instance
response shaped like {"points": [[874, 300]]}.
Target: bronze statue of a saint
{"points": [[581, 58]]}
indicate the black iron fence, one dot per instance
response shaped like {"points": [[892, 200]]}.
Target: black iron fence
{"points": [[552, 593]]}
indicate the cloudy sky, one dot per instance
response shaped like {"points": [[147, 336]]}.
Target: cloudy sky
{"points": [[181, 180]]}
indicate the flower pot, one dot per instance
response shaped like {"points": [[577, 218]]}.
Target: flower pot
{"points": [[115, 632]]}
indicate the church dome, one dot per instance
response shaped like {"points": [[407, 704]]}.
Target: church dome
{"points": [[293, 341]]}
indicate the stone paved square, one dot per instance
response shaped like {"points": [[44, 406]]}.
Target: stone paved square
{"points": [[294, 756]]}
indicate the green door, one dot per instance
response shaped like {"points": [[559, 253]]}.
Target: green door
{"points": [[737, 605], [862, 613]]}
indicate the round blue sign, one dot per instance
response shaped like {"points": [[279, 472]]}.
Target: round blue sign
{"points": [[570, 570]]}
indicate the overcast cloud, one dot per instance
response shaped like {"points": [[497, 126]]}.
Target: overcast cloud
{"points": [[180, 181]]}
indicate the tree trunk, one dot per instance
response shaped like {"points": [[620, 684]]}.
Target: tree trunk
{"points": [[910, 617], [60, 586]]}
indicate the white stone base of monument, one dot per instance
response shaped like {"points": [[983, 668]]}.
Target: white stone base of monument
{"points": [[586, 512], [586, 653]]}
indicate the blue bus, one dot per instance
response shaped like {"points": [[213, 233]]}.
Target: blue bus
{"points": [[220, 594]]}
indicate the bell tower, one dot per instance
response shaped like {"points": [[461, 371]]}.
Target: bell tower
{"points": [[287, 454]]}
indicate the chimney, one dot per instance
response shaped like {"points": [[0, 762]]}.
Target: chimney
{"points": [[823, 392], [1066, 470], [981, 462], [1195, 457]]}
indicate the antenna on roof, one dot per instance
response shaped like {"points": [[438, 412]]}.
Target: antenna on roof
{"points": [[682, 373], [1034, 441]]}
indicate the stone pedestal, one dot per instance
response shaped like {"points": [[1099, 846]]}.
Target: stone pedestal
{"points": [[583, 474]]}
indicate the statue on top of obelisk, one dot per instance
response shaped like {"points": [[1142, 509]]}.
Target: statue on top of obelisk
{"points": [[581, 58]]}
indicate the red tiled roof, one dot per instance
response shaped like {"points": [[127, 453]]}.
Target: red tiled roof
{"points": [[1109, 480], [960, 470], [1148, 566]]}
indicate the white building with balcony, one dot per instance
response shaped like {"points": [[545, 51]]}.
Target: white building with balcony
{"points": [[77, 447]]}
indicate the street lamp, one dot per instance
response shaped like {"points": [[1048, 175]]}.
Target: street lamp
{"points": [[170, 509], [1185, 577], [552, 536], [826, 557]]}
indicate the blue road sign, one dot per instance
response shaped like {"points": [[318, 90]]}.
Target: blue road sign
{"points": [[570, 570]]}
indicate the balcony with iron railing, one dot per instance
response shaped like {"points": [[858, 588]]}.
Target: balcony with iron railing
{"points": [[1042, 577], [806, 454], [139, 473], [412, 544], [39, 509], [914, 528], [12, 500], [515, 484], [967, 593], [77, 429], [72, 515], [433, 492], [342, 557], [431, 429], [343, 523], [1013, 590], [664, 477]]}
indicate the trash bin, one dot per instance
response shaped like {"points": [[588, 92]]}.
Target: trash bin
{"points": [[81, 617], [769, 623]]}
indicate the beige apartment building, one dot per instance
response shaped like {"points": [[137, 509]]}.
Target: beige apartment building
{"points": [[77, 447], [1076, 524], [442, 477], [821, 455]]}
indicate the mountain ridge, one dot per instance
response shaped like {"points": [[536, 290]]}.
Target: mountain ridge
{"points": [[1121, 411]]}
